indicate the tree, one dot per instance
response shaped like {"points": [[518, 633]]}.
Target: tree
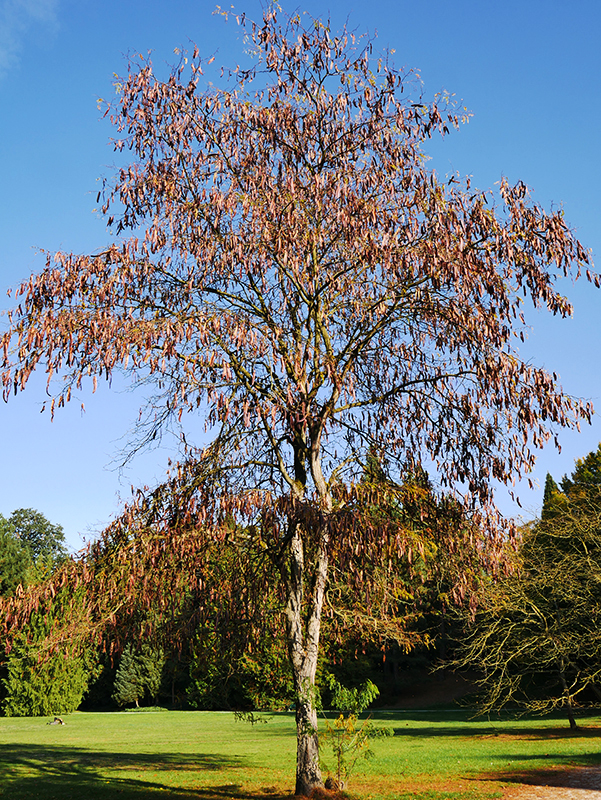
{"points": [[350, 739], [44, 540], [129, 684], [296, 274], [584, 484], [30, 547], [553, 499], [537, 637], [39, 682], [15, 559], [139, 674]]}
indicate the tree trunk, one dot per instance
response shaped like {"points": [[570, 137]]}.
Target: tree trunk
{"points": [[567, 701], [302, 628], [308, 773], [305, 589]]}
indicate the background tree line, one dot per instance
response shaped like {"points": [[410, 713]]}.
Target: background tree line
{"points": [[232, 654], [534, 638], [530, 632]]}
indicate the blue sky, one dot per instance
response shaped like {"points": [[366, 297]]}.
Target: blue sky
{"points": [[530, 72]]}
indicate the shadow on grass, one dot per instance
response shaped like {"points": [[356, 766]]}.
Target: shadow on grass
{"points": [[489, 730], [563, 772], [572, 778], [35, 772]]}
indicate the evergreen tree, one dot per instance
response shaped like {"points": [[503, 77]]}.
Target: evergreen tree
{"points": [[554, 500], [152, 661], [41, 680], [584, 484], [129, 683], [139, 674]]}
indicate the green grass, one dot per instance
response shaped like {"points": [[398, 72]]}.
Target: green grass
{"points": [[209, 756]]}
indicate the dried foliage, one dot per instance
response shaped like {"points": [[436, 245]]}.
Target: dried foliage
{"points": [[294, 273], [298, 270]]}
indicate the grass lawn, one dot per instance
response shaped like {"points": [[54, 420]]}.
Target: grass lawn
{"points": [[185, 754]]}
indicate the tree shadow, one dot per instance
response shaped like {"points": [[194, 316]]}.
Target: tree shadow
{"points": [[573, 777], [488, 730], [45, 772], [567, 770]]}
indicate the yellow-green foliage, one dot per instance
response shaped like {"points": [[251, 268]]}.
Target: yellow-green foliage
{"points": [[348, 735]]}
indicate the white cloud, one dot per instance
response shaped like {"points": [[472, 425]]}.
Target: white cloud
{"points": [[16, 18]]}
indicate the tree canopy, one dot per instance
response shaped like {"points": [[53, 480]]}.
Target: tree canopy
{"points": [[584, 484], [15, 560], [44, 539], [537, 636], [30, 547], [290, 269]]}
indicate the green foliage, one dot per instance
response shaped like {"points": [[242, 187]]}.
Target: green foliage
{"points": [[554, 501], [238, 656], [42, 675], [42, 681], [401, 600], [99, 692], [538, 637], [15, 559], [139, 675], [267, 676], [214, 681], [348, 736], [351, 701], [153, 662], [55, 685], [44, 540], [30, 548], [584, 484], [221, 678]]}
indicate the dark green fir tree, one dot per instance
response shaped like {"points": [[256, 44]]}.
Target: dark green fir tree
{"points": [[139, 675], [554, 500], [129, 681]]}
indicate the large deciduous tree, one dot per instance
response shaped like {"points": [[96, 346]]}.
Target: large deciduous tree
{"points": [[44, 539], [30, 548], [15, 559], [290, 269]]}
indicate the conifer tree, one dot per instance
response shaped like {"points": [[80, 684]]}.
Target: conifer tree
{"points": [[584, 484], [139, 674], [41, 680], [554, 500], [129, 683]]}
